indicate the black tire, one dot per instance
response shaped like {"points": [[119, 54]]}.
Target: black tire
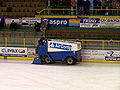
{"points": [[71, 61], [47, 60]]}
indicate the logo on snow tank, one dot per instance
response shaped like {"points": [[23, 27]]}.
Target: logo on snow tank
{"points": [[60, 46]]}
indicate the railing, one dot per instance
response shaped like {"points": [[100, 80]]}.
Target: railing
{"points": [[87, 36], [19, 38], [19, 42], [101, 44], [101, 12], [30, 39], [98, 44], [69, 11]]}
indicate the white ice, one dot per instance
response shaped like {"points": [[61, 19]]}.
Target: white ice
{"points": [[83, 76]]}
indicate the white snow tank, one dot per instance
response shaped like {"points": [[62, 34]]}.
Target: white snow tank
{"points": [[61, 45]]}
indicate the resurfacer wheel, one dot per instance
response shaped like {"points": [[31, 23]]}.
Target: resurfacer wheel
{"points": [[48, 60], [70, 61]]}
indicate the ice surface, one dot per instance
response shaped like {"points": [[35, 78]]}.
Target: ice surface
{"points": [[83, 76]]}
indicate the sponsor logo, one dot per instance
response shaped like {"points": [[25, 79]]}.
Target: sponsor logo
{"points": [[60, 46], [58, 22], [55, 21], [112, 57], [90, 20], [110, 20], [45, 20], [74, 22], [4, 50], [89, 25], [85, 25]]}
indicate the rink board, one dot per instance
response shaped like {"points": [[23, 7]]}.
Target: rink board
{"points": [[101, 61], [16, 59], [27, 59], [87, 56], [100, 56]]}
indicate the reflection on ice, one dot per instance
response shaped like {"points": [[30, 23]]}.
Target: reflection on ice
{"points": [[59, 76]]}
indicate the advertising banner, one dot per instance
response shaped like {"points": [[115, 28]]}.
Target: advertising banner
{"points": [[13, 51], [55, 22], [9, 20], [108, 55], [74, 22], [28, 21], [31, 52], [110, 22], [90, 22]]}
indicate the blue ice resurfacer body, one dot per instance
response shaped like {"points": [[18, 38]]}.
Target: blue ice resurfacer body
{"points": [[58, 50]]}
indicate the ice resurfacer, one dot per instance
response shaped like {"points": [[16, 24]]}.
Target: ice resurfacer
{"points": [[58, 50]]}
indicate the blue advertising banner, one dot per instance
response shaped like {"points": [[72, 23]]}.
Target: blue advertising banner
{"points": [[56, 22], [90, 22]]}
